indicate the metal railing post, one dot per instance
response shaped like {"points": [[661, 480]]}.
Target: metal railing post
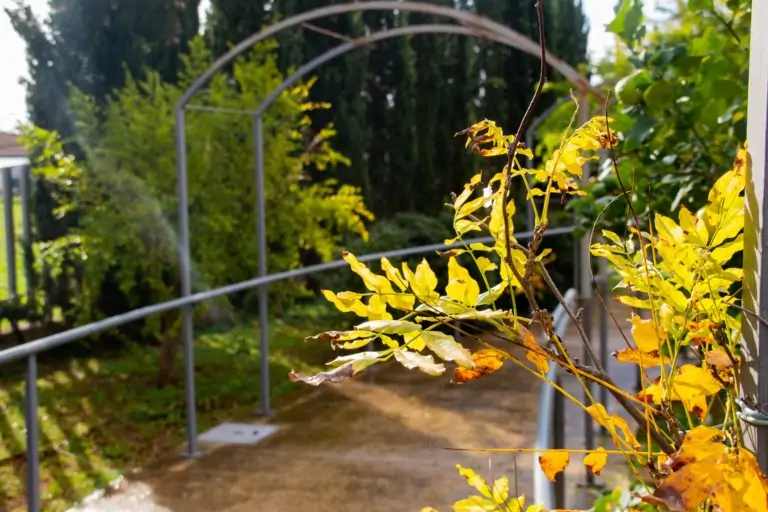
{"points": [[185, 267], [10, 236], [558, 441], [585, 292], [261, 235], [30, 413], [603, 287]]}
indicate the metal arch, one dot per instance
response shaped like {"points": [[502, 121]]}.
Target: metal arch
{"points": [[370, 39], [521, 42], [259, 179], [481, 26]]}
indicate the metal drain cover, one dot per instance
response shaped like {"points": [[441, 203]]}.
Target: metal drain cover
{"points": [[238, 433]]}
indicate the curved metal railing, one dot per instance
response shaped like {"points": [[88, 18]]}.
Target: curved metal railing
{"points": [[550, 431], [31, 350]]}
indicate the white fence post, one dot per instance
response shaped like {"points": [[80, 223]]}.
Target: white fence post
{"points": [[755, 293]]}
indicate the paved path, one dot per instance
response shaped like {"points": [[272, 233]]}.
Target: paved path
{"points": [[372, 444]]}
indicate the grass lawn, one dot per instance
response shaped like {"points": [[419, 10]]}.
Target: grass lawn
{"points": [[103, 416], [21, 281]]}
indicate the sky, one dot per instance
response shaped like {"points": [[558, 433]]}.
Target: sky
{"points": [[13, 64]]}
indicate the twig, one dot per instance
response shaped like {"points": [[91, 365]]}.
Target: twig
{"points": [[512, 155], [326, 32]]}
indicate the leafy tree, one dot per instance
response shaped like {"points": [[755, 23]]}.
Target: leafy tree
{"points": [[681, 93], [125, 193]]}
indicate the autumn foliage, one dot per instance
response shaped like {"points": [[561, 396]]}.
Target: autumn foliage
{"points": [[679, 272]]}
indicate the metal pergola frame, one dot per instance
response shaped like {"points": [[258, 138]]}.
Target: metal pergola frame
{"points": [[756, 335]]}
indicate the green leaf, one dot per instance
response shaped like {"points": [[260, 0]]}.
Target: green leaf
{"points": [[628, 20], [659, 95]]}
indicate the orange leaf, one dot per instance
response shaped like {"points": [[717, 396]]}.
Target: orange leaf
{"points": [[706, 469], [486, 361], [596, 460], [553, 463], [534, 352]]}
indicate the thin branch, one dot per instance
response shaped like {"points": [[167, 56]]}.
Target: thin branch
{"points": [[512, 155], [326, 32]]}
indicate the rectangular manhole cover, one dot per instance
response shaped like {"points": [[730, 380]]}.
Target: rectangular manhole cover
{"points": [[238, 433]]}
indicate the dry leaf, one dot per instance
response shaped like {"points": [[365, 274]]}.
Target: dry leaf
{"points": [[596, 460], [706, 469], [721, 363], [486, 361], [553, 463]]}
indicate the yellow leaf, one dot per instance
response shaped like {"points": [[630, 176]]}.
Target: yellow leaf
{"points": [[496, 224], [377, 308], [705, 469], [423, 281], [485, 265], [470, 207], [372, 281], [461, 287], [474, 480], [596, 460], [424, 363], [613, 423], [643, 359], [393, 274], [447, 348], [647, 336], [534, 352], [553, 463], [691, 385], [486, 361], [350, 302]]}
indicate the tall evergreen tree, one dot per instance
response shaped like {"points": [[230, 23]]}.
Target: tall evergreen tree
{"points": [[397, 104], [90, 44]]}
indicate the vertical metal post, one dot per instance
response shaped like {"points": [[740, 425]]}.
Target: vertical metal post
{"points": [[185, 267], [33, 458], [26, 229], [261, 236], [755, 293], [558, 442], [585, 292], [603, 286], [10, 236]]}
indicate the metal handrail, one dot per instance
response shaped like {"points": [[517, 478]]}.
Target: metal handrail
{"points": [[31, 350], [550, 430]]}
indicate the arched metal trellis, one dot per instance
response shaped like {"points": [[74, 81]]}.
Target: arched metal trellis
{"points": [[472, 25], [469, 25]]}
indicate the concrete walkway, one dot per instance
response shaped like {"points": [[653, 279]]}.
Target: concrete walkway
{"points": [[376, 443]]}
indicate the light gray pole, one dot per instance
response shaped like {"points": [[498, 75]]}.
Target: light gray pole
{"points": [[585, 291], [755, 294], [261, 236], [10, 236], [185, 268], [33, 434]]}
